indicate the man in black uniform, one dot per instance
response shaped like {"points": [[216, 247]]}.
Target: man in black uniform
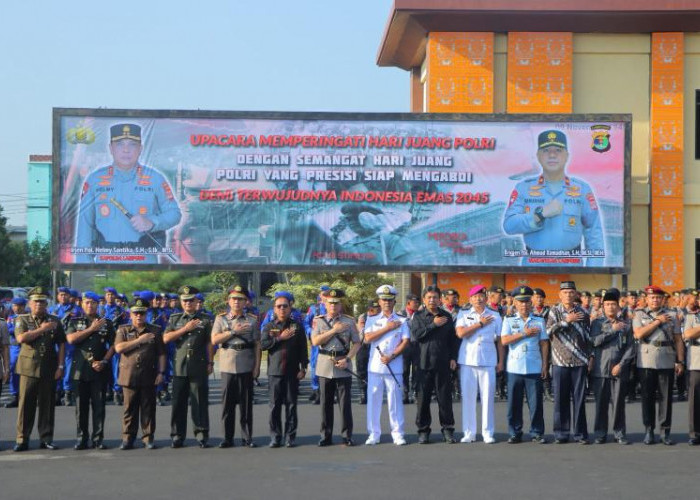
{"points": [[287, 359], [190, 330], [433, 329], [93, 340], [40, 365], [410, 353], [363, 354]]}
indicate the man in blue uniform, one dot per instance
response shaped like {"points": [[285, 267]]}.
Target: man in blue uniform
{"points": [[66, 311], [18, 307], [554, 212], [125, 205]]}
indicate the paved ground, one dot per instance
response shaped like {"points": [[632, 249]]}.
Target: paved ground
{"points": [[385, 471]]}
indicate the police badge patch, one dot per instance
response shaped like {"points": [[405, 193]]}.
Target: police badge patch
{"points": [[601, 138]]}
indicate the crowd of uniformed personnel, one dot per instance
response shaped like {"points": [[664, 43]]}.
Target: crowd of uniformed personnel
{"points": [[90, 348]]}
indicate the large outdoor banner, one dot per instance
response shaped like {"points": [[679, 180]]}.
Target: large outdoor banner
{"points": [[294, 191]]}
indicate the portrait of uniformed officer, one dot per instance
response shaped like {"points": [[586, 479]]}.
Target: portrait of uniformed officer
{"points": [[190, 331], [554, 211], [125, 204], [93, 339], [39, 366], [141, 369], [238, 335]]}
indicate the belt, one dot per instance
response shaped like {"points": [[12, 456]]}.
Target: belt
{"points": [[237, 347], [661, 343], [332, 353]]}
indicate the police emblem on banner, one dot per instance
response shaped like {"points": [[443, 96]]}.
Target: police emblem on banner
{"points": [[601, 138], [80, 135]]}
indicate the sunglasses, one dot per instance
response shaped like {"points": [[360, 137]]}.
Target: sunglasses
{"points": [[138, 313], [187, 300]]}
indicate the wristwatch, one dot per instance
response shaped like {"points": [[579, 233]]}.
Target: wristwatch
{"points": [[539, 218], [61, 367]]}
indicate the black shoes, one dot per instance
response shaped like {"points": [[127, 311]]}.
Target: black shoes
{"points": [[127, 445], [290, 443], [363, 399], [448, 436], [315, 398], [48, 445], [516, 439], [694, 441], [622, 440], [666, 439], [275, 443], [584, 441], [560, 441], [21, 447], [203, 443], [177, 443], [649, 438], [99, 445], [248, 444], [423, 438], [150, 445], [601, 440], [539, 439], [348, 442], [118, 398], [226, 443], [325, 442], [81, 445]]}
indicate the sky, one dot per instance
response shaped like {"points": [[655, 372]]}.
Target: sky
{"points": [[233, 55]]}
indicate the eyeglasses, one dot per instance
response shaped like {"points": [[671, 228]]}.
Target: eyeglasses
{"points": [[282, 306]]}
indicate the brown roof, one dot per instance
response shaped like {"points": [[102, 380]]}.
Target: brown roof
{"points": [[40, 158], [410, 21]]}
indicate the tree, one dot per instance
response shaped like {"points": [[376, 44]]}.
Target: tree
{"points": [[11, 256], [37, 267], [157, 281], [359, 288]]}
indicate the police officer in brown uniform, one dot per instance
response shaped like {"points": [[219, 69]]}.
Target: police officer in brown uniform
{"points": [[337, 337], [190, 330], [93, 339], [691, 334], [660, 352], [141, 369], [39, 365], [239, 336]]}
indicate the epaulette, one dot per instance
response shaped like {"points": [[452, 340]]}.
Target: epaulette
{"points": [[252, 316], [402, 314], [348, 316]]}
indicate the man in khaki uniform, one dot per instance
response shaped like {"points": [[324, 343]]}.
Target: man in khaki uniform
{"points": [[691, 334], [334, 333], [39, 366], [239, 336], [659, 352], [141, 369], [93, 338], [194, 354]]}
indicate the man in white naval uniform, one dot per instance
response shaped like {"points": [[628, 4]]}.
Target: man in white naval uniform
{"points": [[479, 329], [388, 335]]}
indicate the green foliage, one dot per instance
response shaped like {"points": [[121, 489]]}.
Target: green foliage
{"points": [[11, 256], [359, 288], [37, 268], [157, 281]]}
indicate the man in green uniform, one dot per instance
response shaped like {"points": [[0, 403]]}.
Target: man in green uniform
{"points": [[194, 355], [39, 366], [93, 339], [141, 369]]}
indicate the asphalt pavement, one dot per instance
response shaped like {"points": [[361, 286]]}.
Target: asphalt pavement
{"points": [[436, 470]]}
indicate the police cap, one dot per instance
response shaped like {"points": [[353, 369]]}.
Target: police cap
{"points": [[287, 295], [522, 293], [89, 295], [386, 292], [334, 295], [140, 305], [187, 292], [613, 294], [38, 293], [567, 285], [238, 292], [125, 131], [540, 292], [19, 301], [551, 138]]}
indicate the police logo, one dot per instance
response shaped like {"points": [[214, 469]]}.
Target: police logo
{"points": [[601, 138], [238, 288], [572, 221], [186, 290], [386, 289], [333, 293], [551, 136], [522, 288], [80, 135], [104, 210]]}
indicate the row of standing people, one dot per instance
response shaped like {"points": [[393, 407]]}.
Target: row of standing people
{"points": [[338, 340]]}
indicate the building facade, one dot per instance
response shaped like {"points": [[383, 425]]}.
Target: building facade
{"points": [[572, 56]]}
